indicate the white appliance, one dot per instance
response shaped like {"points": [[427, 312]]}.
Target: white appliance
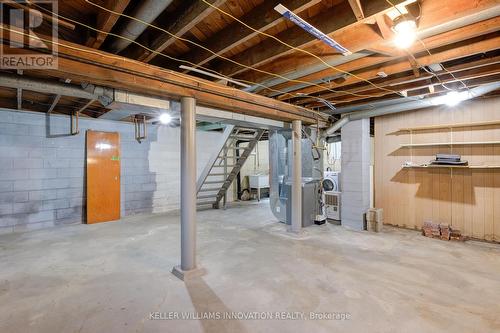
{"points": [[258, 182], [331, 181], [332, 205]]}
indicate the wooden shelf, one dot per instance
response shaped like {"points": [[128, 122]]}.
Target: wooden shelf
{"points": [[448, 126], [440, 166], [449, 144]]}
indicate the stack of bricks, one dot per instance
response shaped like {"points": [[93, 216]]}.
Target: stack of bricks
{"points": [[428, 228], [445, 231], [456, 235], [431, 230], [442, 231]]}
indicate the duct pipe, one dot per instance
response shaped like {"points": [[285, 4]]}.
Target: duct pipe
{"points": [[147, 11], [337, 125], [297, 176], [47, 87], [409, 106]]}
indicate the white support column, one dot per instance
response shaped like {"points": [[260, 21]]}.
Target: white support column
{"points": [[297, 176], [188, 267]]}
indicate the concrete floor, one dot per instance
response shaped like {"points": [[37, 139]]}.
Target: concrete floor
{"points": [[110, 277]]}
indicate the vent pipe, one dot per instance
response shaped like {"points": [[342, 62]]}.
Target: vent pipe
{"points": [[408, 106], [147, 11]]}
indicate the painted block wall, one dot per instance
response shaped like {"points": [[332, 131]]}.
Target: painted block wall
{"points": [[355, 176], [42, 169]]}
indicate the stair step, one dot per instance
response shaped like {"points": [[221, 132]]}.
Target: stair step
{"points": [[207, 196], [205, 203], [246, 138], [238, 130], [215, 182], [209, 189], [216, 174], [221, 166], [237, 148]]}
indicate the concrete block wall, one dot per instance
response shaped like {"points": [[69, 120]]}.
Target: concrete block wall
{"points": [[355, 176], [42, 169]]}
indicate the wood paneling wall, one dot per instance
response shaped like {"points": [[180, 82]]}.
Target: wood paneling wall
{"points": [[468, 199]]}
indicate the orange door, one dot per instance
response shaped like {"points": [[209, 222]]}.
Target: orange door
{"points": [[103, 176]]}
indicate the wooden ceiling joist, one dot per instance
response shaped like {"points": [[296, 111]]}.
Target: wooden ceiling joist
{"points": [[469, 49], [83, 64], [193, 15], [424, 91], [337, 18], [359, 36], [402, 83], [463, 35], [106, 21], [445, 78], [376, 64], [261, 18]]}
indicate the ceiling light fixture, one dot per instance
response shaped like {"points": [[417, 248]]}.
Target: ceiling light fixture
{"points": [[452, 98], [165, 118], [309, 28], [406, 32]]}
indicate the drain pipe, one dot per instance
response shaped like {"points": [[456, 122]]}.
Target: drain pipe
{"points": [[409, 106], [147, 11]]}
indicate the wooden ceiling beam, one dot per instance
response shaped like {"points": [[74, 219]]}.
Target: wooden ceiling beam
{"points": [[356, 66], [106, 21], [364, 36], [82, 64], [261, 18], [193, 15], [338, 18]]}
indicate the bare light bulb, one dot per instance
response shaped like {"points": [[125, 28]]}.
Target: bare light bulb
{"points": [[165, 118], [406, 33]]}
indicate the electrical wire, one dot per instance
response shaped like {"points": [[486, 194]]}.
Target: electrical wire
{"points": [[428, 51], [249, 67], [181, 60], [240, 64], [127, 39], [164, 55], [218, 86], [298, 49]]}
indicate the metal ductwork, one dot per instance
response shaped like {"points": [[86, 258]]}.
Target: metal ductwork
{"points": [[122, 103], [47, 87], [147, 11], [408, 106]]}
